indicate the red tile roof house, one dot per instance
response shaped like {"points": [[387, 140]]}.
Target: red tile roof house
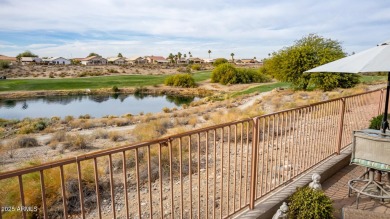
{"points": [[156, 60], [94, 60]]}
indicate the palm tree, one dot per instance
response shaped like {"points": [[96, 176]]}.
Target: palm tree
{"points": [[232, 55], [209, 53], [179, 55], [189, 54], [170, 57]]}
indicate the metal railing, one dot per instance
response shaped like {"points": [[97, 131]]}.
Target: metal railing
{"points": [[212, 172]]}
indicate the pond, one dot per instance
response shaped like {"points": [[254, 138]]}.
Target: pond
{"points": [[94, 105]]}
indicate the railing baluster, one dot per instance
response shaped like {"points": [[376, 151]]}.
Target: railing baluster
{"points": [[112, 190], [81, 192], [254, 163], [22, 195], [64, 204], [96, 172], [125, 183], [43, 191]]}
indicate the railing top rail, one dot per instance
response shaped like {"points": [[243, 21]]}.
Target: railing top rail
{"points": [[316, 104], [119, 149]]}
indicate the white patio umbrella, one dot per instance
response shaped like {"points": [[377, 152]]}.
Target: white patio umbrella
{"points": [[376, 59]]}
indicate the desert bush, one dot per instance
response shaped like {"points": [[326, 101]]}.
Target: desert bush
{"points": [[26, 142], [180, 80], [100, 134], [86, 116], [184, 70], [307, 203], [4, 64], [166, 110], [67, 119], [195, 67], [76, 141], [114, 136], [59, 136], [220, 61], [28, 126], [111, 70], [151, 130], [115, 89], [228, 74]]}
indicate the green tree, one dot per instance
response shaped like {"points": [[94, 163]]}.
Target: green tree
{"points": [[120, 55], [26, 53], [171, 57], [232, 55], [209, 53], [93, 54], [189, 54], [179, 55], [289, 64]]}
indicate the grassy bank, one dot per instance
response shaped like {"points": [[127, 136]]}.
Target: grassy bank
{"points": [[89, 83], [262, 88]]}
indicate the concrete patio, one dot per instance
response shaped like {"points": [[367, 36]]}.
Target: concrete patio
{"points": [[335, 172], [336, 188]]}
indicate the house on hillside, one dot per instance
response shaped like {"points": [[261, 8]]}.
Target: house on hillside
{"points": [[56, 61], [136, 60], [195, 60], [30, 60], [156, 60], [182, 61], [116, 60], [7, 58], [94, 60], [209, 61]]}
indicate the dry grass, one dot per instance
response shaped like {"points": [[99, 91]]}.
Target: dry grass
{"points": [[53, 190]]}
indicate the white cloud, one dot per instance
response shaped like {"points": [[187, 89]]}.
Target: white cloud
{"points": [[253, 28]]}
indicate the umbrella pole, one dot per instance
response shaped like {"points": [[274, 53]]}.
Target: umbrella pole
{"points": [[385, 123]]}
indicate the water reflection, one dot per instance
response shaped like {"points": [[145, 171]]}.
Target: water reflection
{"points": [[95, 105]]}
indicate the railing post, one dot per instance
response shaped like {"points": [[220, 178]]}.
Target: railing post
{"points": [[253, 181], [380, 102], [341, 124]]}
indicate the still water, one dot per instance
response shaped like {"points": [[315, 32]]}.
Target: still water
{"points": [[94, 105]]}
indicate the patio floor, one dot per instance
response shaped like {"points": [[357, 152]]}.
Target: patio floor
{"points": [[336, 188]]}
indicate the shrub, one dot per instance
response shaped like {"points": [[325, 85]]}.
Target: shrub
{"points": [[166, 110], [76, 141], [26, 142], [228, 74], [114, 136], [180, 80], [376, 122], [115, 89], [100, 133], [307, 203], [196, 67], [4, 64], [220, 61]]}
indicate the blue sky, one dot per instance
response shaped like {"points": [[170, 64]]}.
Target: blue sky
{"points": [[248, 28]]}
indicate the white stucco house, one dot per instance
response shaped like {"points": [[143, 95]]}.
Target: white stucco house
{"points": [[116, 60], [56, 61], [94, 60]]}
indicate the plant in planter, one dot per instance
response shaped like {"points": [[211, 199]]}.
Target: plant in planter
{"points": [[307, 203], [376, 122]]}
